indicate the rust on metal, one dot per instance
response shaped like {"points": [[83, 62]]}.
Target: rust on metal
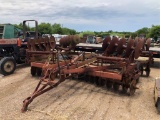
{"points": [[146, 56], [115, 67]]}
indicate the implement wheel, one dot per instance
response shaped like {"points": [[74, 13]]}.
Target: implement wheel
{"points": [[124, 89], [7, 65], [109, 84], [33, 71], [115, 86], [39, 71], [147, 73]]}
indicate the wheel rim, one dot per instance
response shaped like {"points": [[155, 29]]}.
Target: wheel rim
{"points": [[8, 66]]}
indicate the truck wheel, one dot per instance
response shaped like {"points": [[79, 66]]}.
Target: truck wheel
{"points": [[7, 65]]}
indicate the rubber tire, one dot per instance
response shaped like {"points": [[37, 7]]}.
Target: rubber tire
{"points": [[33, 71], [158, 106], [2, 63], [147, 73], [19, 61], [39, 71]]}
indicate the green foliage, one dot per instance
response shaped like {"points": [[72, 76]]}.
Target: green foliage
{"points": [[68, 31], [72, 31], [110, 31], [86, 33], [81, 34], [154, 32], [102, 34], [45, 28], [133, 35], [144, 31], [127, 35], [20, 26], [56, 29], [32, 29], [65, 31]]}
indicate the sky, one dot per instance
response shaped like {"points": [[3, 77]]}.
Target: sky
{"points": [[84, 15]]}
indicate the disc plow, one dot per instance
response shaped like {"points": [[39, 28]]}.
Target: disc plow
{"points": [[116, 68], [146, 57]]}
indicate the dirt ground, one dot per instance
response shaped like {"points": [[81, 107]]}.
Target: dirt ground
{"points": [[76, 100]]}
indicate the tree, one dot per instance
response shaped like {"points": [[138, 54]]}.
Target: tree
{"points": [[45, 28], [72, 31], [56, 29], [110, 31], [154, 32], [20, 26], [65, 31], [88, 33], [68, 31], [143, 31], [104, 34]]}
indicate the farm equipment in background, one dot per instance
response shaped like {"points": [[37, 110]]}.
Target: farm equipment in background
{"points": [[45, 48], [13, 51], [91, 39], [8, 31], [146, 57], [115, 68], [13, 47], [10, 48]]}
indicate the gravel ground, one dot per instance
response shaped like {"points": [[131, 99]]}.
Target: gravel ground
{"points": [[76, 100]]}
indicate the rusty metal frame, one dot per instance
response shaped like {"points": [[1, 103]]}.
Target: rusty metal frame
{"points": [[106, 67]]}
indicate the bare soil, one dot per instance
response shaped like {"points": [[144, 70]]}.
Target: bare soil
{"points": [[76, 99]]}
